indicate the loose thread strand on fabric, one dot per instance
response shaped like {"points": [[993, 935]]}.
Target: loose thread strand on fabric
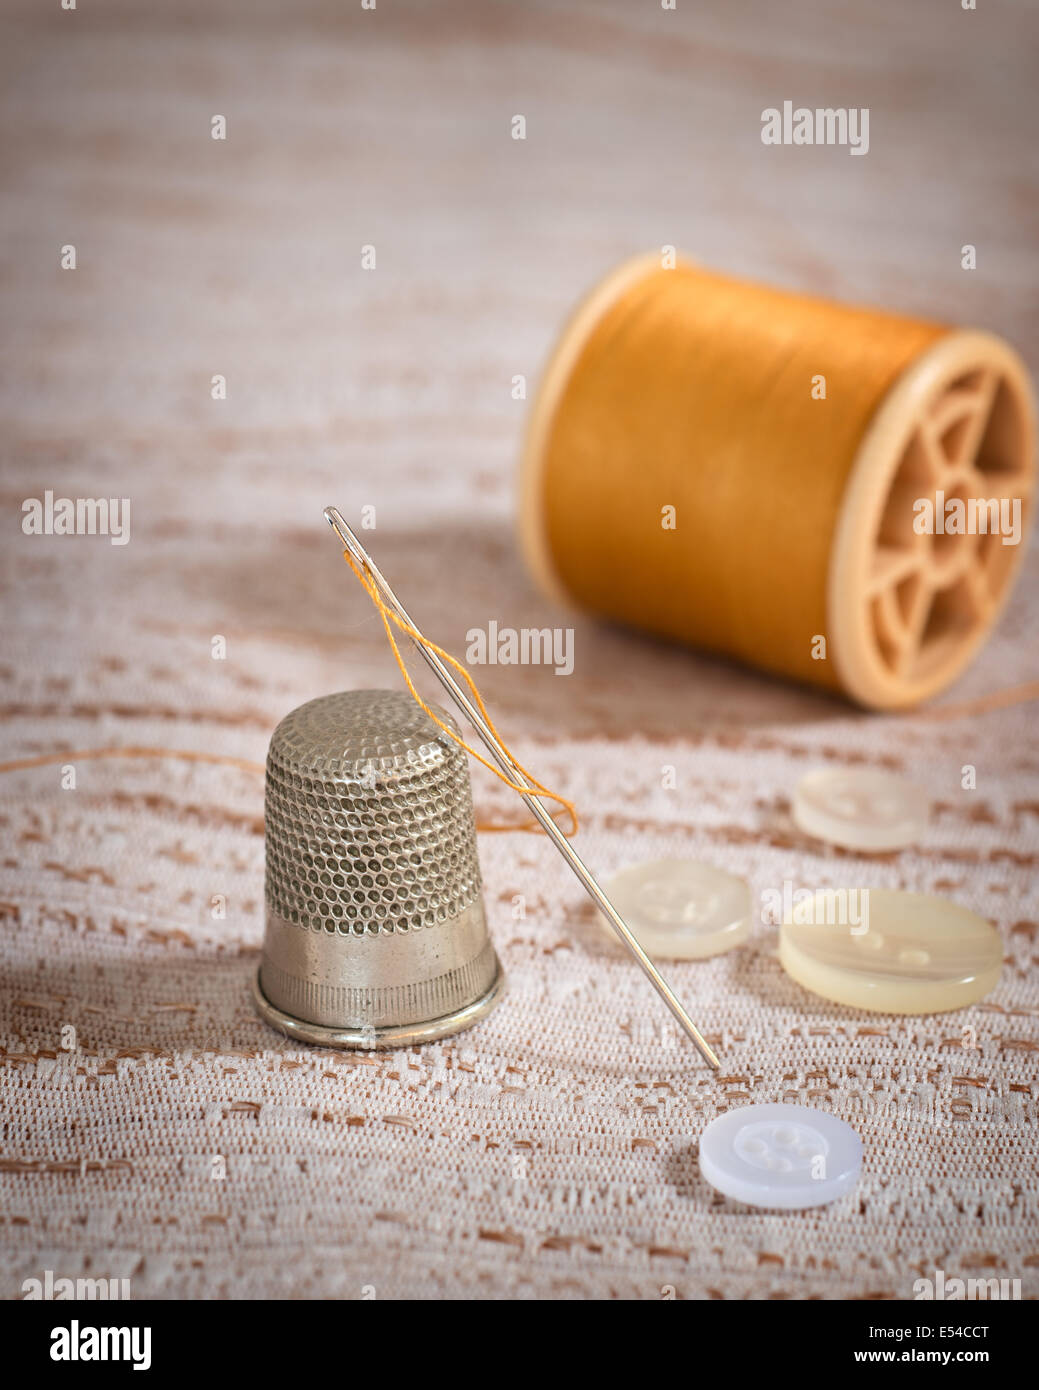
{"points": [[131, 751]]}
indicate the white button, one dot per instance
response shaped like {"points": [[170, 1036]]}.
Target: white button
{"points": [[781, 1156], [860, 808], [681, 910], [896, 953]]}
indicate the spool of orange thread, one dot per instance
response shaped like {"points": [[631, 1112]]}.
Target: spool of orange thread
{"points": [[750, 471]]}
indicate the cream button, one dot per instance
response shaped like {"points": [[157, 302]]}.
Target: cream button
{"points": [[896, 953], [681, 910], [860, 808], [780, 1156]]}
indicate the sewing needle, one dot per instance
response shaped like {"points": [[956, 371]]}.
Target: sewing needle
{"points": [[544, 818]]}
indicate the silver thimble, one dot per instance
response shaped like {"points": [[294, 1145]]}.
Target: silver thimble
{"points": [[376, 934]]}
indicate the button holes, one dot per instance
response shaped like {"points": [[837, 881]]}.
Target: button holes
{"points": [[914, 956]]}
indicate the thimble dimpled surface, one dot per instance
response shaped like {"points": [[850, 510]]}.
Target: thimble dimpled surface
{"points": [[376, 933], [369, 817]]}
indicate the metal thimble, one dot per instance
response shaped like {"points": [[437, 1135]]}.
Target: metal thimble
{"points": [[376, 934]]}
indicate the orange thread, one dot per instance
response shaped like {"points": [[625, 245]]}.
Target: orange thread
{"points": [[387, 615], [741, 469], [245, 765], [689, 389], [984, 704], [185, 754]]}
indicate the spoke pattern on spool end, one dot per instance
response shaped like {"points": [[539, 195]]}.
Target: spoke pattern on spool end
{"points": [[936, 576]]}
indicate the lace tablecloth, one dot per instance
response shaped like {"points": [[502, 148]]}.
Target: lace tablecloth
{"points": [[153, 1128]]}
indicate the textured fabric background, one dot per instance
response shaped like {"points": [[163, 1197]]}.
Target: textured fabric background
{"points": [[552, 1152]]}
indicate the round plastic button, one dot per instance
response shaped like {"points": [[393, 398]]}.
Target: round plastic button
{"points": [[860, 808], [897, 953], [785, 1156], [681, 910]]}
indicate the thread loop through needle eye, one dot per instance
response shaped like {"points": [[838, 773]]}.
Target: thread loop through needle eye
{"points": [[387, 615], [508, 769]]}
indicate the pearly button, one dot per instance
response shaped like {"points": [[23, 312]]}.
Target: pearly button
{"points": [[860, 808], [897, 953], [679, 909], [784, 1156]]}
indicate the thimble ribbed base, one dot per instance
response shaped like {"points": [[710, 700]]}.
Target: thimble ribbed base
{"points": [[375, 1038], [376, 934]]}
